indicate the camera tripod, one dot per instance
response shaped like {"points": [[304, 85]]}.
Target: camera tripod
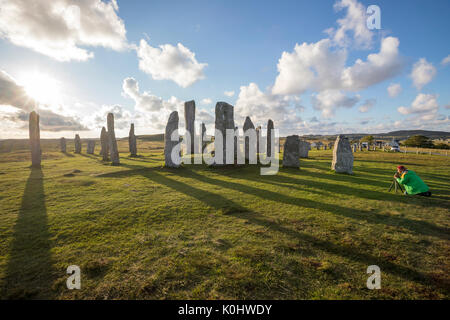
{"points": [[396, 186]]}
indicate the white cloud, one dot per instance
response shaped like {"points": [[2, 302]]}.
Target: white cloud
{"points": [[354, 22], [394, 89], [261, 107], [422, 73], [423, 103], [206, 101], [122, 118], [168, 62], [309, 66], [316, 67], [151, 112], [367, 105], [61, 28], [328, 101], [446, 60], [229, 93], [379, 66], [146, 102]]}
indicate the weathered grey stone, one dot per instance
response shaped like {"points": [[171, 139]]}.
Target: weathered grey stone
{"points": [[132, 142], [77, 144], [169, 145], [189, 120], [203, 140], [35, 140], [104, 142], [324, 147], [224, 121], [291, 156], [342, 156], [90, 147], [270, 138], [62, 145], [113, 150], [248, 124], [360, 147], [258, 139], [304, 148]]}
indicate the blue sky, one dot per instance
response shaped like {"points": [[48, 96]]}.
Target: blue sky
{"points": [[242, 43]]}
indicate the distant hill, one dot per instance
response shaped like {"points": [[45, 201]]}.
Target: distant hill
{"points": [[426, 133], [152, 137], [400, 135]]}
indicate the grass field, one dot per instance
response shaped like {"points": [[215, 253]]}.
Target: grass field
{"points": [[140, 231]]}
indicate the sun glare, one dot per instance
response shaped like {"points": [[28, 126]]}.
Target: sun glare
{"points": [[41, 87]]}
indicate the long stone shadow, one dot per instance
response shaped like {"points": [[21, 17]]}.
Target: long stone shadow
{"points": [[68, 154], [421, 227], [213, 199], [368, 194], [29, 272]]}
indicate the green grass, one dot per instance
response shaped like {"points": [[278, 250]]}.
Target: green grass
{"points": [[141, 231]]}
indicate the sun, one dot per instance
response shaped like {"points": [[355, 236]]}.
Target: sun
{"points": [[42, 88]]}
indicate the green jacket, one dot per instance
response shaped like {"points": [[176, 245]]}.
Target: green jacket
{"points": [[412, 183]]}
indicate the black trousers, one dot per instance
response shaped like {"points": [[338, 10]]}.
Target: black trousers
{"points": [[424, 194]]}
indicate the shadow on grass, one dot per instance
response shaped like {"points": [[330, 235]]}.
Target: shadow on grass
{"points": [[219, 202], [68, 154], [29, 272]]}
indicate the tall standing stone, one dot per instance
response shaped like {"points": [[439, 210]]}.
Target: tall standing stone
{"points": [[132, 142], [169, 145], [342, 156], [203, 140], [258, 139], [224, 121], [35, 140], [291, 156], [104, 142], [189, 120], [304, 148], [270, 138], [90, 147], [62, 144], [77, 144], [248, 124], [114, 151]]}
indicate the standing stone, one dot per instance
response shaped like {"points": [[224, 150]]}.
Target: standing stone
{"points": [[62, 144], [35, 140], [189, 120], [324, 147], [304, 148], [172, 125], [132, 142], [360, 147], [342, 156], [258, 136], [291, 156], [90, 147], [248, 124], [270, 138], [224, 121], [203, 140], [112, 141], [104, 141], [77, 144]]}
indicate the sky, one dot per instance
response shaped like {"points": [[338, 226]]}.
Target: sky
{"points": [[313, 67]]}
